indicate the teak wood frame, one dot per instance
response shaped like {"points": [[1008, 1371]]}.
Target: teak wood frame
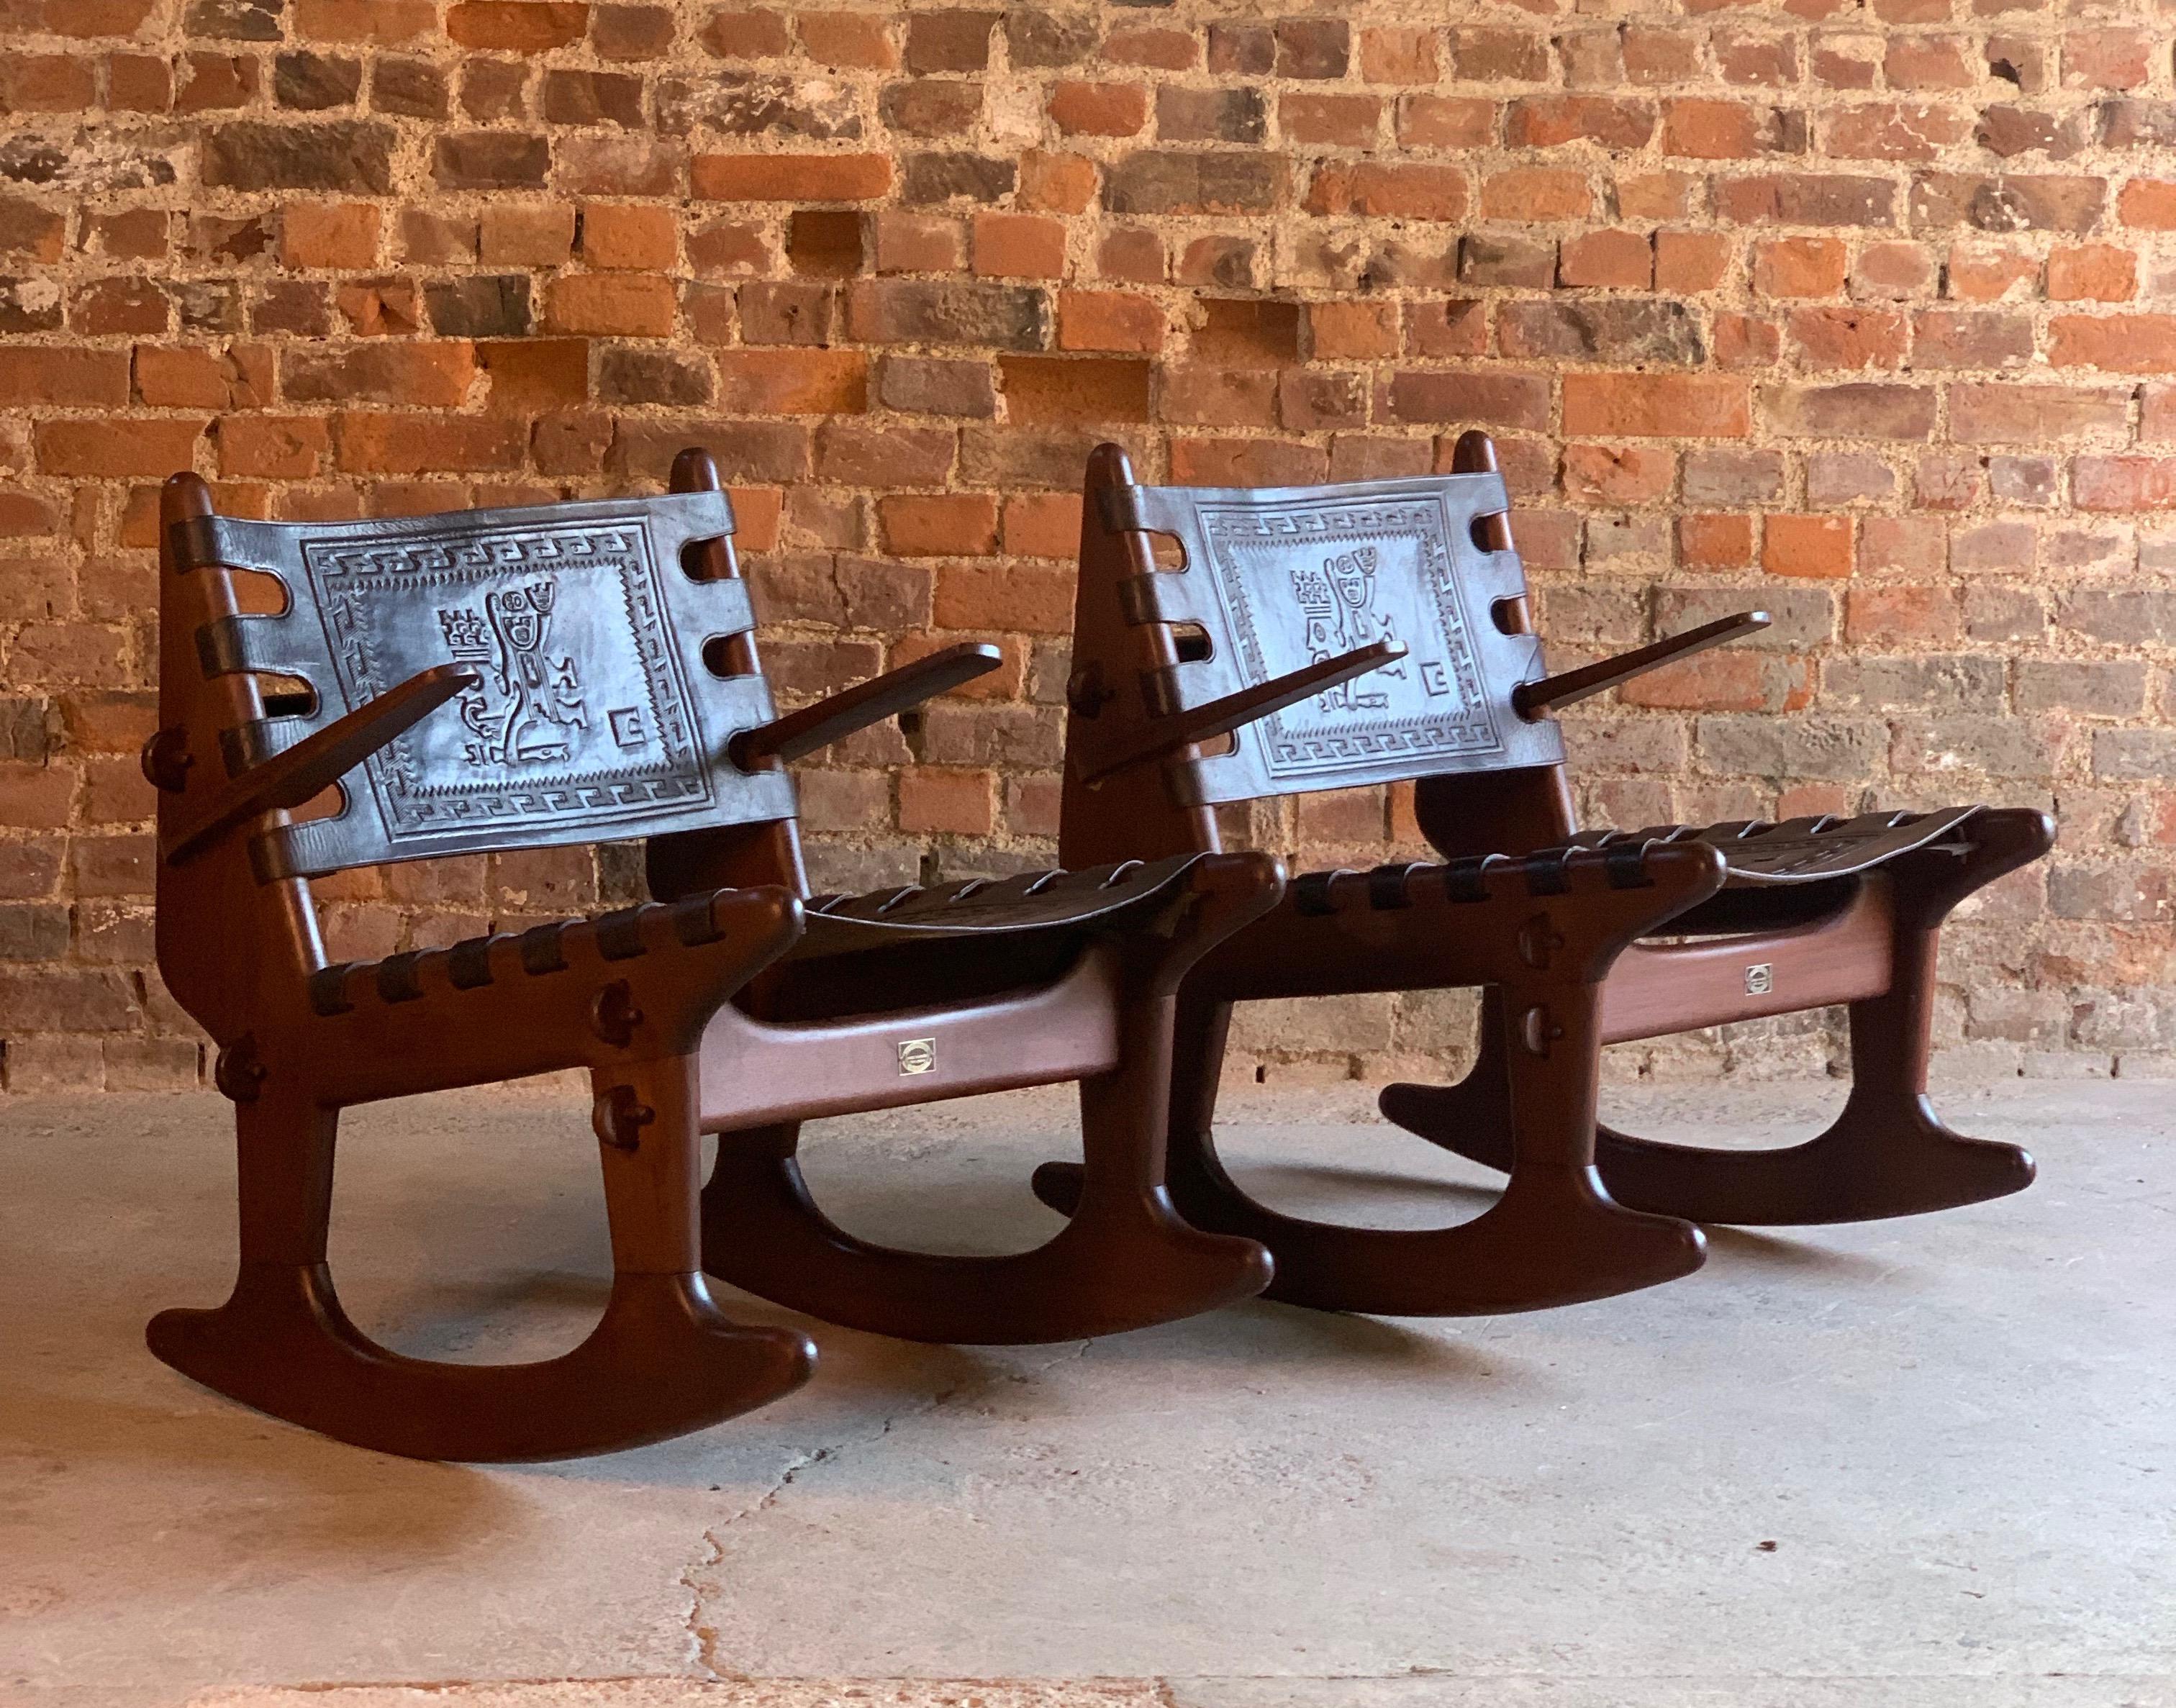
{"points": [[1554, 932], [713, 1009]]}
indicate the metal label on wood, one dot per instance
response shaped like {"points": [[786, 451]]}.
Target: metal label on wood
{"points": [[918, 1055], [1760, 978]]}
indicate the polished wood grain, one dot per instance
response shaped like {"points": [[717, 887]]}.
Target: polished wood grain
{"points": [[1658, 988]]}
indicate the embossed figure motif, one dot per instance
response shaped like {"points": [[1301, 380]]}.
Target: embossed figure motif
{"points": [[1339, 602], [531, 697]]}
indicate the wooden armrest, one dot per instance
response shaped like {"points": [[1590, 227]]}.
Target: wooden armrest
{"points": [[833, 719], [313, 764], [1531, 699], [1220, 717]]}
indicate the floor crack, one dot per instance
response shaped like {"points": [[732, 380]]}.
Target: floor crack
{"points": [[704, 1637]]}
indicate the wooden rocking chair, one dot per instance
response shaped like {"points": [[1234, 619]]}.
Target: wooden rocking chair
{"points": [[1560, 927], [525, 679]]}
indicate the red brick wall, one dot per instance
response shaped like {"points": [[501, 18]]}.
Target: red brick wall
{"points": [[1863, 312]]}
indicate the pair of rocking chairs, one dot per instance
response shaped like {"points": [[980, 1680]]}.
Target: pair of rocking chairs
{"points": [[577, 672]]}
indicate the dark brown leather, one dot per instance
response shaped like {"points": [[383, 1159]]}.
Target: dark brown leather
{"points": [[1279, 578], [597, 715]]}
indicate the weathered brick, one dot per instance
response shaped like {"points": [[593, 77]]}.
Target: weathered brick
{"points": [[1625, 260], [1109, 320], [1328, 120], [491, 160], [1154, 182], [627, 238], [2099, 687], [343, 156], [273, 447], [904, 310], [793, 382], [339, 236], [2121, 484], [1850, 337], [1809, 199], [1695, 129], [573, 96], [1444, 122], [480, 305], [1403, 192], [2012, 414], [2120, 343], [1606, 330], [1816, 746], [1813, 546], [928, 386], [635, 305], [1552, 121], [2148, 205], [104, 448], [408, 444], [2010, 202], [790, 177], [1970, 338], [2092, 273], [1854, 410], [516, 26], [933, 179], [78, 378], [1657, 406], [1099, 109], [963, 524], [1800, 266], [949, 40], [1432, 397], [434, 375]]}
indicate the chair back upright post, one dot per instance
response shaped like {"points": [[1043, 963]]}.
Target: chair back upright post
{"points": [[1493, 812], [1133, 815], [730, 855], [230, 947]]}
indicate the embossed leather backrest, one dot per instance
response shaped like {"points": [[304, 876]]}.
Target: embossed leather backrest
{"points": [[1281, 577], [595, 717]]}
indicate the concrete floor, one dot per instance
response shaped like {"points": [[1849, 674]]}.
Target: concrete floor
{"points": [[1927, 1462]]}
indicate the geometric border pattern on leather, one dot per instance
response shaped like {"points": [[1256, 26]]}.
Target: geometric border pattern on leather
{"points": [[1279, 577], [1800, 851], [593, 715]]}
